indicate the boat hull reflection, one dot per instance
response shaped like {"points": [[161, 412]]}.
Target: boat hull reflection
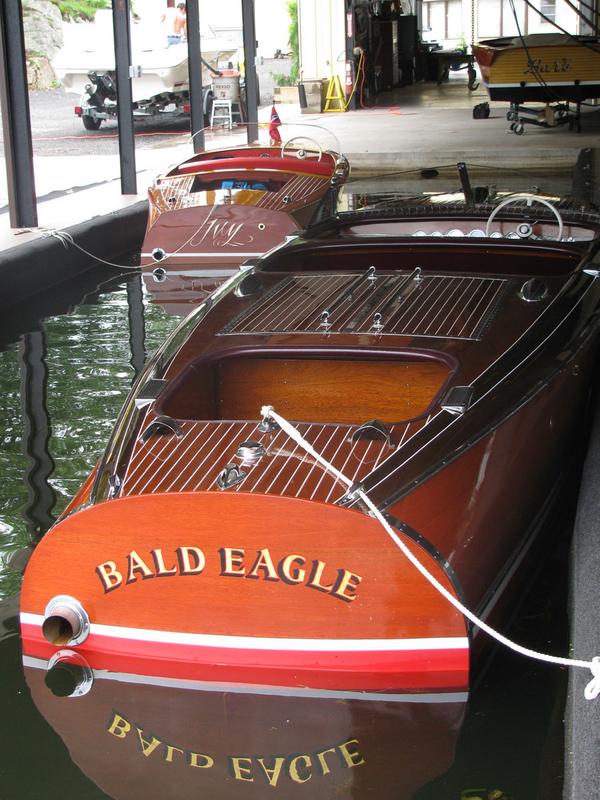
{"points": [[139, 737]]}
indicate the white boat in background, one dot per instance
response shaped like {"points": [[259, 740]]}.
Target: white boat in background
{"points": [[86, 67]]}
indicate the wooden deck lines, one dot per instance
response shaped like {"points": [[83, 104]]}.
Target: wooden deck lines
{"points": [[448, 306], [193, 461], [316, 443], [175, 193], [299, 188]]}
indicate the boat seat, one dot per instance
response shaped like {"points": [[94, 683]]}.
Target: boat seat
{"points": [[286, 164]]}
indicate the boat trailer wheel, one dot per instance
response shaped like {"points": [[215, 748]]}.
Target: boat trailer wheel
{"points": [[303, 153], [525, 230]]}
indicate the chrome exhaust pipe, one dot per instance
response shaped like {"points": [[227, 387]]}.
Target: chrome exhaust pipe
{"points": [[65, 621]]}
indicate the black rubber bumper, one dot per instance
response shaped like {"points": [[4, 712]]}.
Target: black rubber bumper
{"points": [[34, 267]]}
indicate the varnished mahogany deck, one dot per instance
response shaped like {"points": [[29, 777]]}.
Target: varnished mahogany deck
{"points": [[442, 306], [192, 461]]}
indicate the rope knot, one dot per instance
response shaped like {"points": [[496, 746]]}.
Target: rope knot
{"points": [[592, 689], [63, 237]]}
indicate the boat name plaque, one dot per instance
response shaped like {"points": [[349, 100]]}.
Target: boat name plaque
{"points": [[535, 66], [221, 234], [232, 562]]}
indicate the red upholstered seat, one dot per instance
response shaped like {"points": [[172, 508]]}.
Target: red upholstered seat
{"points": [[243, 164]]}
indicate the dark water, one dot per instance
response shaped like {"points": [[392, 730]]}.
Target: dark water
{"points": [[65, 369]]}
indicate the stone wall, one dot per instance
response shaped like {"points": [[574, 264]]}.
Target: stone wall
{"points": [[42, 25]]}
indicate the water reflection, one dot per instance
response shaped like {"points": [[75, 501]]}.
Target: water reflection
{"points": [[179, 292], [67, 361], [41, 497], [140, 737], [137, 324]]}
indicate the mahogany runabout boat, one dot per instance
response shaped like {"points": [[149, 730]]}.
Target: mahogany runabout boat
{"points": [[438, 358], [216, 209]]}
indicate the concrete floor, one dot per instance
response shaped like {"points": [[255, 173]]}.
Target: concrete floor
{"points": [[417, 126]]}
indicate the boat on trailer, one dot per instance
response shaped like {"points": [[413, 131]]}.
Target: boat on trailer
{"points": [[160, 82], [558, 69], [540, 66], [210, 213], [400, 385]]}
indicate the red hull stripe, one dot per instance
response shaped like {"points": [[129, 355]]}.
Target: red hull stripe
{"points": [[408, 665], [418, 698]]}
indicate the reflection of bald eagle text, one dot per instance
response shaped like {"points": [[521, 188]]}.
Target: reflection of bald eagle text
{"points": [[298, 767]]}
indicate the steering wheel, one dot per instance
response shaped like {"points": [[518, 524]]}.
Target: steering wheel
{"points": [[302, 153], [525, 229]]}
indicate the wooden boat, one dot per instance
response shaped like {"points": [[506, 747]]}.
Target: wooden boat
{"points": [[217, 209], [437, 357], [545, 67], [138, 737]]}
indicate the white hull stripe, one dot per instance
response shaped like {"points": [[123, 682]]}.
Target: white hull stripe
{"points": [[268, 643], [203, 254], [222, 272], [250, 688], [535, 84]]}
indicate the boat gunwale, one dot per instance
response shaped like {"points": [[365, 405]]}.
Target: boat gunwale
{"points": [[453, 450]]}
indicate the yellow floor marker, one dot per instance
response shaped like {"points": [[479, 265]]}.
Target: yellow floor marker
{"points": [[334, 95]]}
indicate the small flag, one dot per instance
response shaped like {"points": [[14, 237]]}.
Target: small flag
{"points": [[274, 127]]}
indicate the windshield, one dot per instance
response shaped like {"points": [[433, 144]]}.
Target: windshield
{"points": [[470, 185], [544, 202]]}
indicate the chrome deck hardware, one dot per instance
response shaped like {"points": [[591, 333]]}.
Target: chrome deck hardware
{"points": [[378, 324], [324, 321], [533, 290], [250, 452], [160, 427], [458, 399], [374, 429], [114, 485], [149, 392], [230, 476]]}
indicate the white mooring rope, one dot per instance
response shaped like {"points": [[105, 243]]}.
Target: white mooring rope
{"points": [[592, 689], [67, 241]]}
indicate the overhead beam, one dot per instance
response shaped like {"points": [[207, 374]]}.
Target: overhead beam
{"points": [[250, 69], [16, 121], [195, 75], [124, 70]]}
